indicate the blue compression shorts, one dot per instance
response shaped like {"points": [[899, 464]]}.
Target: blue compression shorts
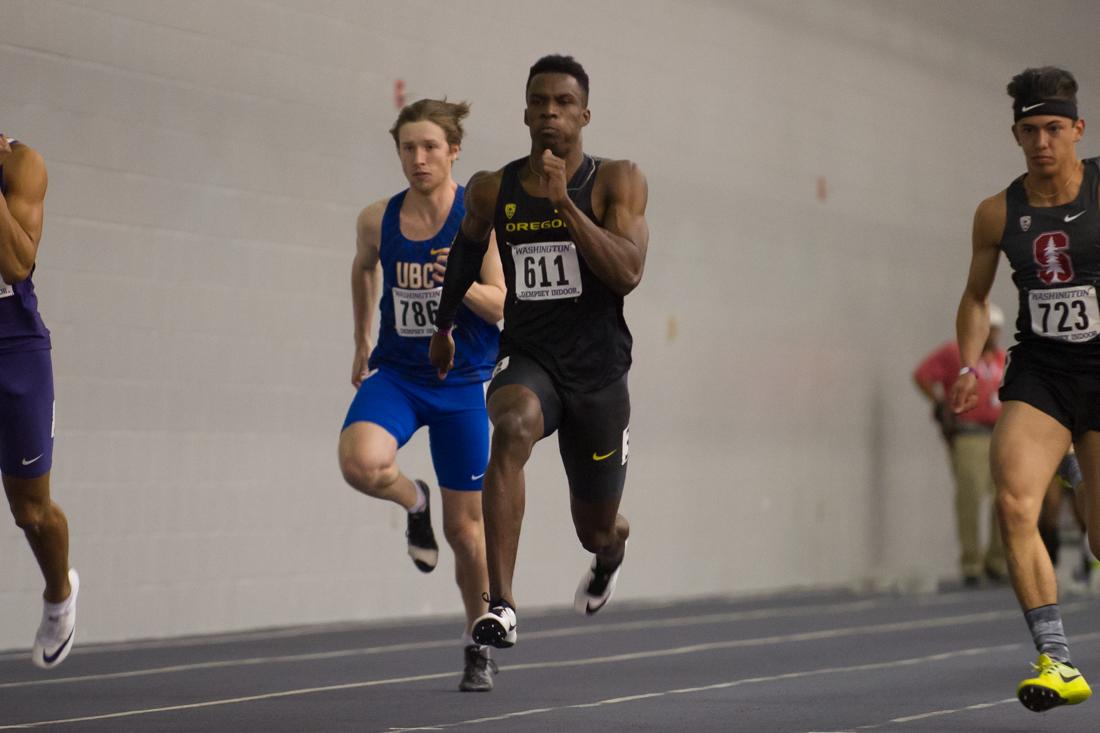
{"points": [[458, 426]]}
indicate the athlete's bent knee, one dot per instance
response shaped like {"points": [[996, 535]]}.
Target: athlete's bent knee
{"points": [[30, 516], [364, 475], [597, 540], [1016, 513], [512, 430], [465, 537]]}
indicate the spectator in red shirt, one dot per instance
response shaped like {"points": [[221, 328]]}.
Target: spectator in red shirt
{"points": [[968, 437]]}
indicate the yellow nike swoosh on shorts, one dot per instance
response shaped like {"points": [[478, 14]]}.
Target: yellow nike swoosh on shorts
{"points": [[596, 457], [437, 251]]}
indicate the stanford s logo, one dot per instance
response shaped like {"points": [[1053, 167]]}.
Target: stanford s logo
{"points": [[1051, 251], [509, 210], [1025, 223]]}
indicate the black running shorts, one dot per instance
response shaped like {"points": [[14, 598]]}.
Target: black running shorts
{"points": [[1070, 396], [593, 427]]}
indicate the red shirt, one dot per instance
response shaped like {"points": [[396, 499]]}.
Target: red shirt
{"points": [[942, 367]]}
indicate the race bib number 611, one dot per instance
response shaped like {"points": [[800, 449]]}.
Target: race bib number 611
{"points": [[546, 270], [1065, 314]]}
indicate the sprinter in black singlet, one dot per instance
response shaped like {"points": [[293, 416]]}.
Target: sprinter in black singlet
{"points": [[572, 236], [1047, 223]]}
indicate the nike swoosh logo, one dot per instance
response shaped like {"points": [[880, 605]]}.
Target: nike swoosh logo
{"points": [[51, 658], [1069, 218], [437, 251], [27, 463], [596, 457], [1068, 679], [1028, 109], [475, 478]]}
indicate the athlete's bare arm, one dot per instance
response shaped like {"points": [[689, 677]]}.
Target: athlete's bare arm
{"points": [[20, 210], [616, 251], [972, 321], [366, 283]]}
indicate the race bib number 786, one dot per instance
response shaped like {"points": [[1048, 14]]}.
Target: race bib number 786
{"points": [[414, 311]]}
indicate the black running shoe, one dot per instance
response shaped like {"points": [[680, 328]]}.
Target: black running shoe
{"points": [[478, 675], [422, 546], [595, 588]]}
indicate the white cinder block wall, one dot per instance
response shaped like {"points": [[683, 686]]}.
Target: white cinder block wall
{"points": [[207, 161]]}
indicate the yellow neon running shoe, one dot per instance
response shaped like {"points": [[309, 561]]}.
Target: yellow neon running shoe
{"points": [[1054, 684]]}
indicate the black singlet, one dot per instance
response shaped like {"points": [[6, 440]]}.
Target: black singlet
{"points": [[557, 311], [1055, 257]]}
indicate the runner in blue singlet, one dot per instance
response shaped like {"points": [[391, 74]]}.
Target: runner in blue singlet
{"points": [[406, 240]]}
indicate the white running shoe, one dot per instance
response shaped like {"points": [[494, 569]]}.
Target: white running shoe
{"points": [[55, 634], [595, 588], [497, 627]]}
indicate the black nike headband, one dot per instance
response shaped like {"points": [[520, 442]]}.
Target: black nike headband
{"points": [[1056, 107]]}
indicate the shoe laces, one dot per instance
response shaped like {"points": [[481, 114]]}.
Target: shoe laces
{"points": [[481, 661], [1051, 667]]}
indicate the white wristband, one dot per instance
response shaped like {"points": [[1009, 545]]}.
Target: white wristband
{"points": [[968, 370]]}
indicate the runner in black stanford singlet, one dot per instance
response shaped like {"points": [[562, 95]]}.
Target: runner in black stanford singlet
{"points": [[1047, 223]]}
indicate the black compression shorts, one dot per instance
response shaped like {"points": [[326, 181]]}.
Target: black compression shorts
{"points": [[593, 427], [1070, 396]]}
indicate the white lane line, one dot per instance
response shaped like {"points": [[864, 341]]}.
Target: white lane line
{"points": [[720, 686], [323, 629], [675, 651], [714, 618], [939, 713], [227, 701]]}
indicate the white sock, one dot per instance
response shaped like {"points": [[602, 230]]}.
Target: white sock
{"points": [[421, 500], [60, 608]]}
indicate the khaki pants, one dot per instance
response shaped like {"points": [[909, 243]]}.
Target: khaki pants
{"points": [[973, 485]]}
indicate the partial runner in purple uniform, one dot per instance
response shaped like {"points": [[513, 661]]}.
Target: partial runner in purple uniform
{"points": [[27, 399]]}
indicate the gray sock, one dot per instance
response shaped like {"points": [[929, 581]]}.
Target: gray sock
{"points": [[1045, 623]]}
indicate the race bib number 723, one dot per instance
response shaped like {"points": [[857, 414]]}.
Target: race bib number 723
{"points": [[1065, 314]]}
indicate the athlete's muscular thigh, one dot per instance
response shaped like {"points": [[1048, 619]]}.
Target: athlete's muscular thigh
{"points": [[1027, 447], [517, 420]]}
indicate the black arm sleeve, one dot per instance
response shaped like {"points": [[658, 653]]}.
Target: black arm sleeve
{"points": [[463, 267]]}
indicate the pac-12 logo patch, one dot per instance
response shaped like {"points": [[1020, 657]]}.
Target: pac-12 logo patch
{"points": [[1051, 251], [509, 210], [1025, 223]]}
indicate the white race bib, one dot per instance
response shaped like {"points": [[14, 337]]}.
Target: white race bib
{"points": [[547, 271], [1065, 314], [414, 311], [6, 291]]}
